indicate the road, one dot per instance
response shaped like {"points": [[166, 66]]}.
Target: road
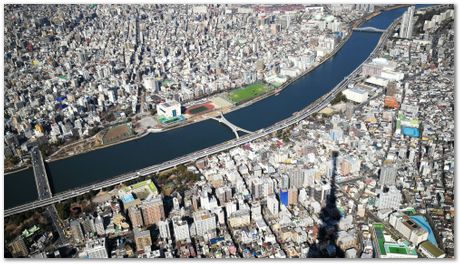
{"points": [[41, 179], [295, 118], [44, 192]]}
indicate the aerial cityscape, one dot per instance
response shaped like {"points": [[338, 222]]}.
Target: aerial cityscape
{"points": [[229, 131]]}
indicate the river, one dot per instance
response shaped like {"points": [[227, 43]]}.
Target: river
{"points": [[156, 148]]}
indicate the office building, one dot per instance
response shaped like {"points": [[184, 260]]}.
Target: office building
{"points": [[284, 197], [230, 207]]}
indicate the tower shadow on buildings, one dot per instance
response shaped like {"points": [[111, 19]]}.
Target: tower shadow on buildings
{"points": [[326, 247]]}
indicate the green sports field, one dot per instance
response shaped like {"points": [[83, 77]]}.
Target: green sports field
{"points": [[247, 93]]}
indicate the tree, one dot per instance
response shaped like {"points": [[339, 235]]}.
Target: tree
{"points": [[339, 98]]}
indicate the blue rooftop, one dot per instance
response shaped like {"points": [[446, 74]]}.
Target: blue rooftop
{"points": [[423, 223], [215, 240], [127, 198], [410, 131]]}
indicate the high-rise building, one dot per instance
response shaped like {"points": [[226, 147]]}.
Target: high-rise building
{"points": [[257, 188], [142, 239], [389, 198], [163, 226], [135, 217], [219, 213], [153, 211], [88, 225], [230, 207], [284, 182], [181, 229], [77, 232], [387, 174], [267, 188], [296, 178], [96, 249], [224, 194], [273, 205], [325, 191], [256, 210], [204, 222], [99, 224], [309, 177], [293, 196], [345, 167], [407, 23], [204, 199], [220, 194]]}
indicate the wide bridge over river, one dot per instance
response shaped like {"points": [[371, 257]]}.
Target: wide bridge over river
{"points": [[370, 29], [98, 185]]}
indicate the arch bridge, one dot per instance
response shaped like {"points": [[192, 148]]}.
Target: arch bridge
{"points": [[234, 128]]}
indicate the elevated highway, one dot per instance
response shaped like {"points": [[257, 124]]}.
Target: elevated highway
{"points": [[295, 118]]}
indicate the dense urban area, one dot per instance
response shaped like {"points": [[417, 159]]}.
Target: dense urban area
{"points": [[84, 76], [371, 175]]}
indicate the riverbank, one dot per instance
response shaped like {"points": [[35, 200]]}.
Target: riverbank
{"points": [[134, 137], [22, 168], [217, 112], [58, 156], [168, 149]]}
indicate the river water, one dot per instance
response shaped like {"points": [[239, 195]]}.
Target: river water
{"points": [[159, 147]]}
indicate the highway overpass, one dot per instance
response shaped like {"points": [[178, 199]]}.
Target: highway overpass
{"points": [[295, 118]]}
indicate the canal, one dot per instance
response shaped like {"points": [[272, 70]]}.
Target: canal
{"points": [[159, 147]]}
